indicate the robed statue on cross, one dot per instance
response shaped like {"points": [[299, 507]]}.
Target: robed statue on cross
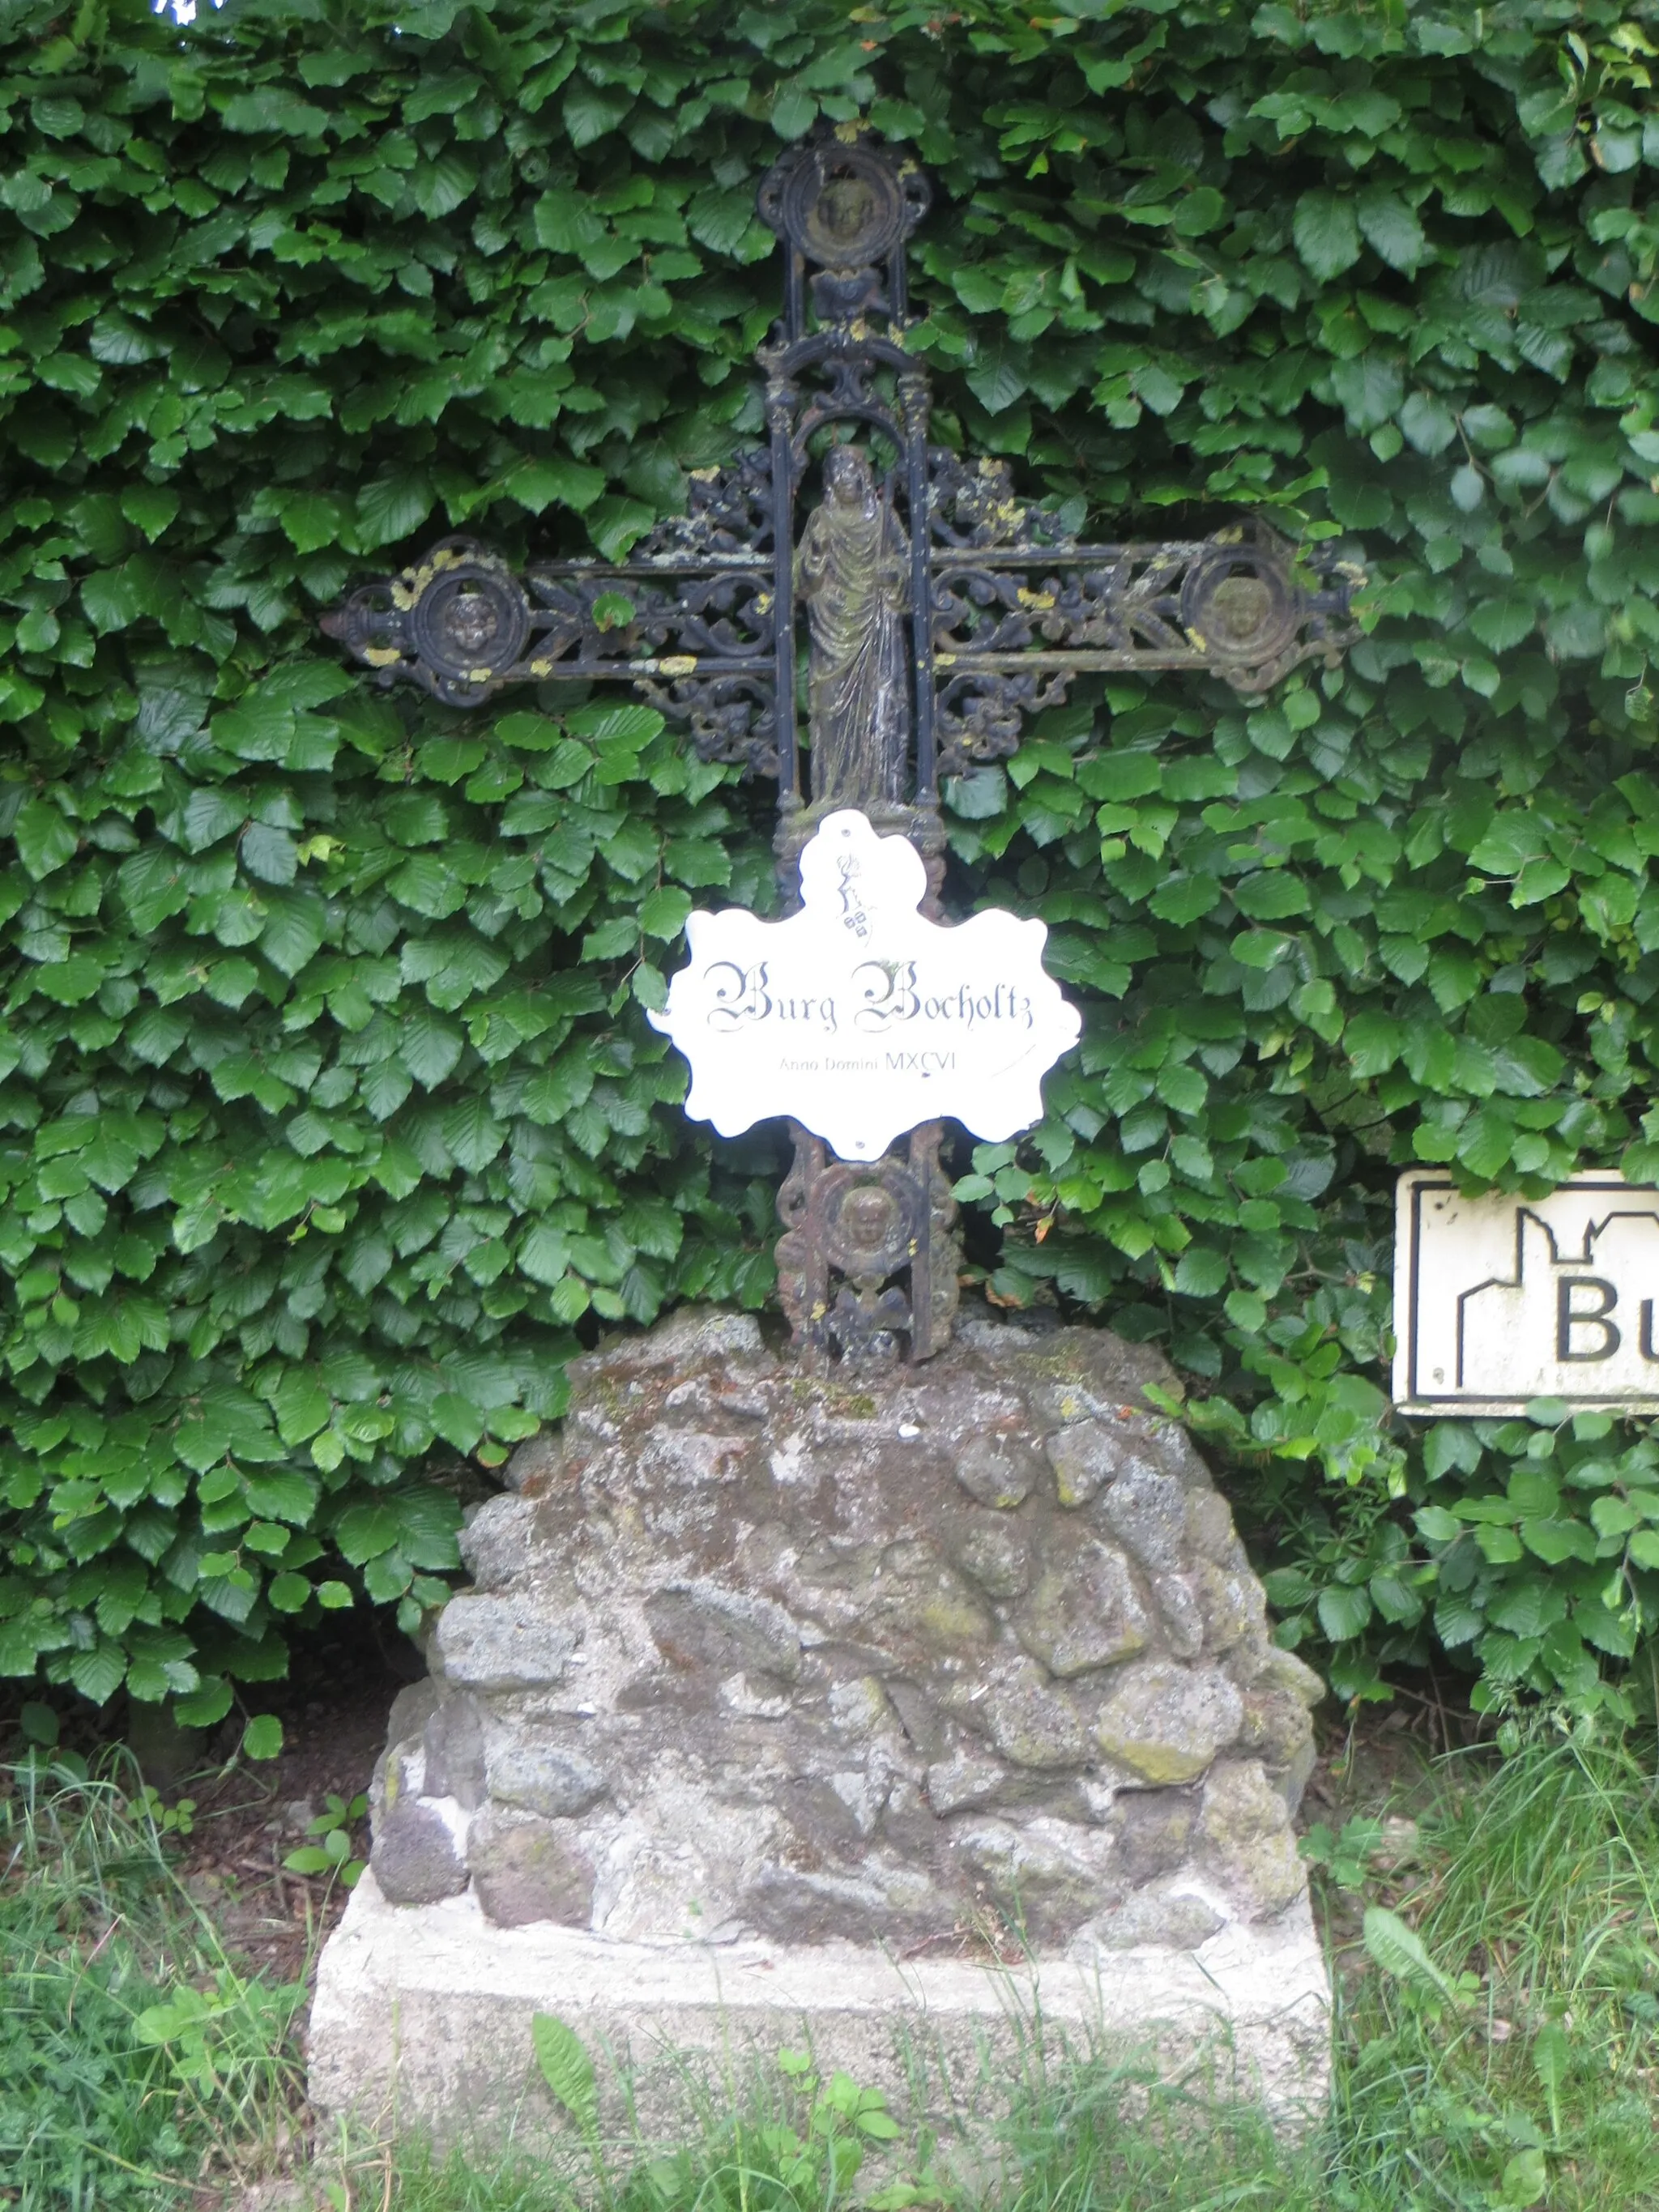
{"points": [[941, 611], [852, 576]]}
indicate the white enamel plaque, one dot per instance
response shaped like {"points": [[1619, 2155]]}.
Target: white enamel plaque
{"points": [[858, 1016], [1500, 1300]]}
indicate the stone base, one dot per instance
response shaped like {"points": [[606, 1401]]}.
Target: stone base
{"points": [[423, 2013]]}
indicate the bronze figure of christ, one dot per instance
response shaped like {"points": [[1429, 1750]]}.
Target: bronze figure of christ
{"points": [[852, 575]]}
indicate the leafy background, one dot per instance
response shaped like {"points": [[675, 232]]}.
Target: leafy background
{"points": [[331, 1117]]}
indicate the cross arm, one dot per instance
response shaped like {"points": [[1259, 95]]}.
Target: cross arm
{"points": [[688, 620], [1020, 608]]}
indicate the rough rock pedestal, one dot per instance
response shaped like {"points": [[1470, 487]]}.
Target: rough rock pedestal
{"points": [[897, 1702]]}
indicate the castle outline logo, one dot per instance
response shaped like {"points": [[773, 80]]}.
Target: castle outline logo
{"points": [[1500, 1300]]}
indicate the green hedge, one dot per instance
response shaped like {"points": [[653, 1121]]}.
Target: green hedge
{"points": [[330, 1111]]}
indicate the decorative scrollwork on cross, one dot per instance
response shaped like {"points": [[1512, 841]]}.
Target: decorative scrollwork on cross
{"points": [[944, 610], [1021, 608]]}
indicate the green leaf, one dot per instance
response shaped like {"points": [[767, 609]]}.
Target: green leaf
{"points": [[439, 186], [1327, 232], [1526, 1608], [1343, 1611], [387, 1577], [1271, 896], [1502, 623], [99, 1674], [608, 723], [365, 1531], [270, 854], [312, 520], [530, 732], [545, 1254], [456, 1421], [1152, 382], [794, 111], [1451, 1444], [567, 2069], [565, 222], [293, 928], [1399, 1952], [472, 1134], [539, 483], [262, 1737], [998, 377], [589, 112], [260, 726], [1428, 422], [1373, 1042], [1555, 1542], [152, 508], [1436, 1526], [1183, 899], [663, 912], [275, 108], [205, 1707], [1389, 227], [71, 981], [1551, 2059], [1203, 209], [1526, 2179], [616, 524], [1183, 1089], [392, 506], [430, 1047], [1202, 1274], [44, 838]]}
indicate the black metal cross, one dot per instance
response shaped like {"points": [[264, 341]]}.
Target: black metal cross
{"points": [[944, 610]]}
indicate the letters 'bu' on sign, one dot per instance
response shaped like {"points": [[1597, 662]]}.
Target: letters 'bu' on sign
{"points": [[1500, 1300], [858, 1017]]}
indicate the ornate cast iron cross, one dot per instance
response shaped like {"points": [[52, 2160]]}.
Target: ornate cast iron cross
{"points": [[941, 609]]}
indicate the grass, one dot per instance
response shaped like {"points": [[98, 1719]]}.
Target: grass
{"points": [[134, 2057], [1496, 1970], [1524, 2070], [1497, 2038]]}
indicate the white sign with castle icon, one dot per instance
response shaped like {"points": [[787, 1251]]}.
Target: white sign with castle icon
{"points": [[1500, 1300]]}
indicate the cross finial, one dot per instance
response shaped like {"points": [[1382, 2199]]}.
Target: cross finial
{"points": [[845, 204]]}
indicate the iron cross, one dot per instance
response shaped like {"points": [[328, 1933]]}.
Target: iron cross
{"points": [[942, 609]]}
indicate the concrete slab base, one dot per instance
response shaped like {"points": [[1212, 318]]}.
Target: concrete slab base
{"points": [[423, 2013]]}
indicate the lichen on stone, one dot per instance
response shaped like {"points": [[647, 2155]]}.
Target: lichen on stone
{"points": [[750, 1652]]}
